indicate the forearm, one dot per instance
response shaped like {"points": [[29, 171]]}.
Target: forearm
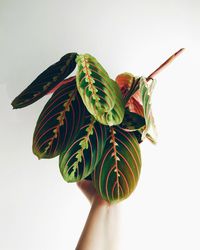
{"points": [[93, 234], [112, 227], [101, 229]]}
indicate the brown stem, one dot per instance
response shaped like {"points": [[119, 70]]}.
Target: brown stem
{"points": [[135, 86], [166, 63]]}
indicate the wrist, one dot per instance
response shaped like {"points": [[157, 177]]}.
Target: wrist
{"points": [[99, 202]]}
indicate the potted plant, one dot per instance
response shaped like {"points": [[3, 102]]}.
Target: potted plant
{"points": [[93, 123]]}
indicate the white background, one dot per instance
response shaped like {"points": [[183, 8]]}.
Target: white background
{"points": [[38, 209]]}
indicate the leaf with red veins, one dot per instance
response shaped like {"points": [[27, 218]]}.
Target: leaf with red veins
{"points": [[124, 81], [60, 84], [134, 104]]}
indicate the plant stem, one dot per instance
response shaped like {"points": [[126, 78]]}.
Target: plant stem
{"points": [[135, 85], [166, 63]]}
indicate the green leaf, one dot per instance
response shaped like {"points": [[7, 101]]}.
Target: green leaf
{"points": [[116, 114], [146, 90], [116, 175], [79, 160], [46, 81], [59, 122], [89, 178], [132, 121], [94, 85]]}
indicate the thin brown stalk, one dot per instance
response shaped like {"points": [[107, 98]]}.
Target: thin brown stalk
{"points": [[135, 87], [165, 64]]}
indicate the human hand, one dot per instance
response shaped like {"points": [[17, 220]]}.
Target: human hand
{"points": [[102, 221], [86, 186]]}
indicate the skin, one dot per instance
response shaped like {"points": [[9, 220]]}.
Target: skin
{"points": [[101, 228]]}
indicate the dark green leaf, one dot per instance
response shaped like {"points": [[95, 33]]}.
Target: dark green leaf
{"points": [[89, 177], [59, 122], [80, 159], [138, 135], [116, 175], [132, 121], [46, 81]]}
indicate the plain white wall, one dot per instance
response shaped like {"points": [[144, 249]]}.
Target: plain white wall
{"points": [[38, 209]]}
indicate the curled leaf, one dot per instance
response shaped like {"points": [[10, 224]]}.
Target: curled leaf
{"points": [[146, 90], [139, 103], [125, 80]]}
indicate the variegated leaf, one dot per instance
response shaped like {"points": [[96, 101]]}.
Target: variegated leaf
{"points": [[79, 160], [116, 175], [46, 81], [116, 114], [146, 89], [59, 122], [94, 85]]}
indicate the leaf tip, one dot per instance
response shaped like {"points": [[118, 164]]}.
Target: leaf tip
{"points": [[39, 158]]}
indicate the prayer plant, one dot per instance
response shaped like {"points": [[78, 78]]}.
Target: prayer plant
{"points": [[94, 123]]}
